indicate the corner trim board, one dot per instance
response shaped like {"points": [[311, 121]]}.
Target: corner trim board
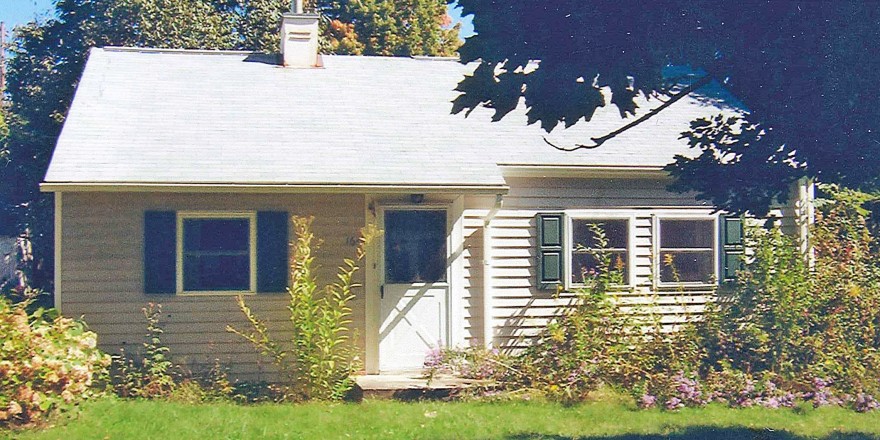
{"points": [[57, 244]]}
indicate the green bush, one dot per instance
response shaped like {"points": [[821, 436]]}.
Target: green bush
{"points": [[800, 320], [46, 362], [151, 376], [319, 360]]}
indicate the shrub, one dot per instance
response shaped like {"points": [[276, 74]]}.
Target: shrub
{"points": [[318, 361], [151, 376], [154, 376], [803, 323], [572, 356], [48, 362]]}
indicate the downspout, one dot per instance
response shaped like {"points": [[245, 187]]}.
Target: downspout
{"points": [[488, 311], [805, 215]]}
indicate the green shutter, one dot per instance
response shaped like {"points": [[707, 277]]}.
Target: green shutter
{"points": [[550, 255], [272, 251], [732, 247], [160, 252]]}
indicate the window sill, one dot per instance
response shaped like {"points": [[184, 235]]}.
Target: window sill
{"points": [[217, 293], [686, 286], [611, 288]]}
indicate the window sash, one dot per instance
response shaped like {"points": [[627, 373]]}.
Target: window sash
{"points": [[183, 255], [571, 276], [662, 270]]}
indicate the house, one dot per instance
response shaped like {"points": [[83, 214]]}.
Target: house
{"points": [[177, 170]]}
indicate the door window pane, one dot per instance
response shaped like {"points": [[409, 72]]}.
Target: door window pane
{"points": [[415, 246], [216, 254]]}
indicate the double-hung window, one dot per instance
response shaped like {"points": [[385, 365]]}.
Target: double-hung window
{"points": [[216, 252], [598, 242], [687, 250]]}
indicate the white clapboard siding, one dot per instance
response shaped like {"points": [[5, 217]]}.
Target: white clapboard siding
{"points": [[519, 309], [102, 274]]}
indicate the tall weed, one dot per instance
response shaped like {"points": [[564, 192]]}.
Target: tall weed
{"points": [[319, 359]]}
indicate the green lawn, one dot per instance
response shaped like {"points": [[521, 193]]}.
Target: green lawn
{"points": [[127, 419]]}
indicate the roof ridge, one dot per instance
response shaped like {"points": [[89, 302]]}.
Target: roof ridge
{"points": [[177, 51], [134, 49]]}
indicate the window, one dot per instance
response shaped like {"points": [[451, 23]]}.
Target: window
{"points": [[687, 250], [415, 246], [585, 244], [217, 252]]}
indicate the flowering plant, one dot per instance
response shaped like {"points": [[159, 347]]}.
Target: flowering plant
{"points": [[46, 362]]}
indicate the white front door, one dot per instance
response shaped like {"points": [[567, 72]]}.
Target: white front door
{"points": [[415, 290]]}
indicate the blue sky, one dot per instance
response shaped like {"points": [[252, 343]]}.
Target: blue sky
{"points": [[14, 12]]}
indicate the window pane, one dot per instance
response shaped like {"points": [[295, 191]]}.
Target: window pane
{"points": [[415, 246], [691, 266], [615, 232], [686, 233], [216, 234], [584, 264], [216, 272]]}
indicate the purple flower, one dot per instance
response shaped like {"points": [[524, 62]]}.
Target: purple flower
{"points": [[865, 402], [647, 401], [674, 403]]}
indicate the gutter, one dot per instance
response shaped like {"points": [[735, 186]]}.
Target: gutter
{"points": [[584, 171]]}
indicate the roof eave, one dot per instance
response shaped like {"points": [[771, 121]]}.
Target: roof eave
{"points": [[585, 171], [268, 188]]}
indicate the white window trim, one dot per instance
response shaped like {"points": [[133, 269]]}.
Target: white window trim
{"points": [[655, 236], [590, 214], [251, 216]]}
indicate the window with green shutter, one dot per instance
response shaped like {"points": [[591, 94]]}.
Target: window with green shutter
{"points": [[550, 253]]}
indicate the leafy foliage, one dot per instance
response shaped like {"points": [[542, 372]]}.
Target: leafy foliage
{"points": [[46, 362], [388, 27], [803, 71], [151, 377], [319, 359]]}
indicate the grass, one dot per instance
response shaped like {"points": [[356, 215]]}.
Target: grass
{"points": [[521, 420]]}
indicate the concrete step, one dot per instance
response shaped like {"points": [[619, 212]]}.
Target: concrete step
{"points": [[406, 387]]}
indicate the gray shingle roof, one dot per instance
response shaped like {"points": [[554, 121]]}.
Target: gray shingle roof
{"points": [[184, 117]]}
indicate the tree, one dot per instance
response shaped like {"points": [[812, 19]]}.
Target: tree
{"points": [[389, 27], [807, 73], [363, 27], [48, 58]]}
